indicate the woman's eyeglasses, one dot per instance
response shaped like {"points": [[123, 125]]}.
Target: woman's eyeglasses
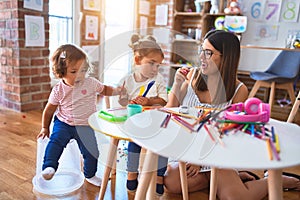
{"points": [[207, 52]]}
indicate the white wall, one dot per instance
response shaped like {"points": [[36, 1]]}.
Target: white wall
{"points": [[256, 59], [260, 59]]}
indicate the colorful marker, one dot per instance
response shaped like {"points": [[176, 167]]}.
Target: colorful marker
{"points": [[273, 134], [277, 143], [209, 133], [274, 150], [268, 142]]}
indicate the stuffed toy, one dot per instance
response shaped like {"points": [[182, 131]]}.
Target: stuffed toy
{"points": [[214, 7], [233, 8]]}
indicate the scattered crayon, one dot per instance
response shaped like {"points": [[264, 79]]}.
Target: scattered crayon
{"points": [[269, 149], [209, 133]]}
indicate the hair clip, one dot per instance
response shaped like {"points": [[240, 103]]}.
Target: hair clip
{"points": [[136, 43], [63, 55]]}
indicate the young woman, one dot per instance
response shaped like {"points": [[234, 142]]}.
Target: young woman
{"points": [[215, 83]]}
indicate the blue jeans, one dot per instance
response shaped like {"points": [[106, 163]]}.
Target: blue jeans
{"points": [[134, 151], [61, 135]]}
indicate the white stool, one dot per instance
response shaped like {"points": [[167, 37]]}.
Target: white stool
{"points": [[68, 176]]}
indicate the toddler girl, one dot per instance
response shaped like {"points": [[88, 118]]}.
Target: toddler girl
{"points": [[147, 58], [72, 100]]}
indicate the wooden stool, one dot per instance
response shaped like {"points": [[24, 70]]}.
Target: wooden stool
{"points": [[294, 109], [289, 87]]}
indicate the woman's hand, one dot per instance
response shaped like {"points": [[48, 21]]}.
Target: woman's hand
{"points": [[191, 170], [246, 176], [44, 133], [181, 75], [179, 87], [184, 71]]}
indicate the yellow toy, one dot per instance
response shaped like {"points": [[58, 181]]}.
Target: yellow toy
{"points": [[296, 43]]}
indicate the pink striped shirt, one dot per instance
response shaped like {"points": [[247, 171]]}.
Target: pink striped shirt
{"points": [[77, 103]]}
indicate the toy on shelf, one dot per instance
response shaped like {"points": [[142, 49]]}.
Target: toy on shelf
{"points": [[233, 8], [296, 43], [187, 7], [219, 23], [214, 7]]}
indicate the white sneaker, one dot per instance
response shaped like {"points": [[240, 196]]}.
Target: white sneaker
{"points": [[94, 181], [48, 173]]}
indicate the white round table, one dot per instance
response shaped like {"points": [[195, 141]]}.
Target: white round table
{"points": [[240, 150]]}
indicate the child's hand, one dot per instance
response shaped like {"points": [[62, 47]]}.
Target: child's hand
{"points": [[120, 90], [123, 100], [44, 133], [123, 96], [144, 101]]}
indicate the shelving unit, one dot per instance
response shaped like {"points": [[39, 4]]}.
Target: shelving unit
{"points": [[184, 20], [208, 22], [184, 49]]}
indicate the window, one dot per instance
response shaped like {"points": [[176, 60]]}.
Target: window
{"points": [[63, 29], [61, 26], [116, 25]]}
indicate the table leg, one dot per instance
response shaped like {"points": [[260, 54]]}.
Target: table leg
{"points": [[142, 158], [152, 187], [275, 184], [113, 170], [183, 180], [149, 169], [111, 157], [213, 184]]}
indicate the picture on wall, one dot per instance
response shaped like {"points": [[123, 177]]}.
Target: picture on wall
{"points": [[266, 32], [91, 27], [91, 5], [34, 31], [33, 4]]}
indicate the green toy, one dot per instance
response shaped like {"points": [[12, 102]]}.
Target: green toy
{"points": [[110, 117]]}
